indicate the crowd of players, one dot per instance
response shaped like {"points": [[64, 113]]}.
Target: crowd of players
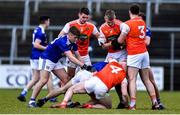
{"points": [[127, 56]]}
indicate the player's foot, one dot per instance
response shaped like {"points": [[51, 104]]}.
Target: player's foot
{"points": [[156, 107], [53, 100], [121, 106], [74, 105], [161, 106], [59, 105], [21, 98], [32, 105], [41, 102], [132, 107], [87, 106]]}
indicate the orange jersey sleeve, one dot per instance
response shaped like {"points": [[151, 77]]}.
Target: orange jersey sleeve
{"points": [[112, 74], [135, 37], [86, 31], [109, 31]]}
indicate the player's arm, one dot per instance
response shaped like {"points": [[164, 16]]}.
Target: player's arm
{"points": [[124, 31], [37, 44], [147, 40], [73, 59], [78, 56], [65, 30], [148, 36]]}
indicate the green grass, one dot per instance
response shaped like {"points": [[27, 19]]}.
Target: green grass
{"points": [[10, 105]]}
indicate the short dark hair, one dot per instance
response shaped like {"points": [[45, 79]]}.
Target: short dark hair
{"points": [[142, 15], [42, 19], [84, 10], [74, 31], [110, 14], [134, 9]]}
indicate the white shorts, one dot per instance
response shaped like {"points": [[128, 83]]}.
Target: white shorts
{"points": [[82, 75], [85, 59], [34, 63], [45, 64], [119, 56], [140, 61], [96, 86]]}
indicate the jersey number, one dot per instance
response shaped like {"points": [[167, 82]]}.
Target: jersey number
{"points": [[115, 69], [141, 28]]}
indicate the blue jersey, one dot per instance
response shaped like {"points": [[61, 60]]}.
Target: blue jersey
{"points": [[99, 65], [148, 32], [56, 49], [38, 34]]}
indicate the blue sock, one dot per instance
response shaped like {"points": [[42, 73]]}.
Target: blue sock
{"points": [[24, 92]]}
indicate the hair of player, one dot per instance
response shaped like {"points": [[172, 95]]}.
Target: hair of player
{"points": [[134, 9], [110, 14], [42, 19], [84, 11], [74, 31], [142, 15]]}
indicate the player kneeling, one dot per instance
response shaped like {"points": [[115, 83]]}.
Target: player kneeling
{"points": [[99, 85]]}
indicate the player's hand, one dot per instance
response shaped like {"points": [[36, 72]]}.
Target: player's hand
{"points": [[86, 67], [117, 46], [101, 41]]}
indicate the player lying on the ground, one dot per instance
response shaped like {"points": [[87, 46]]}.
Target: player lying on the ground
{"points": [[99, 84], [79, 77]]}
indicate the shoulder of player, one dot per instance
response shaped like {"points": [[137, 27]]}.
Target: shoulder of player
{"points": [[118, 22], [102, 26], [72, 22], [90, 24]]}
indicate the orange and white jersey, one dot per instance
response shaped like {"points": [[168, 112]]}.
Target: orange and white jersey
{"points": [[136, 31], [107, 31], [86, 30], [112, 74]]}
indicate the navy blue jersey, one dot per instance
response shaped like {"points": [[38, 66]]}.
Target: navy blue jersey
{"points": [[38, 33], [148, 32], [99, 65], [56, 49]]}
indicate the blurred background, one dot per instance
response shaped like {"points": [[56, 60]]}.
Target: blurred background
{"points": [[18, 18]]}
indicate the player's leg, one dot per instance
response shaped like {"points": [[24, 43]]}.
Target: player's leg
{"points": [[104, 103], [144, 72], [132, 76], [54, 93], [45, 66], [77, 88], [50, 88], [124, 86], [43, 80], [149, 86], [34, 80], [151, 77]]}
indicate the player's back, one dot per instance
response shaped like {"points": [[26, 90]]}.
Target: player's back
{"points": [[135, 38], [112, 74]]}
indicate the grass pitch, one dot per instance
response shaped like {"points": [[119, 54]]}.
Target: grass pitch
{"points": [[10, 105]]}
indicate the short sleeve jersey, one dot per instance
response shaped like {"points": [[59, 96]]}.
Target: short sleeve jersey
{"points": [[112, 74], [136, 31], [56, 49], [109, 31], [86, 31], [40, 34]]}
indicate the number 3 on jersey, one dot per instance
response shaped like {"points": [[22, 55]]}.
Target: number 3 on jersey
{"points": [[115, 69], [141, 28]]}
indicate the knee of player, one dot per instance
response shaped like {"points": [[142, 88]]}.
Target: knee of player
{"points": [[109, 106]]}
